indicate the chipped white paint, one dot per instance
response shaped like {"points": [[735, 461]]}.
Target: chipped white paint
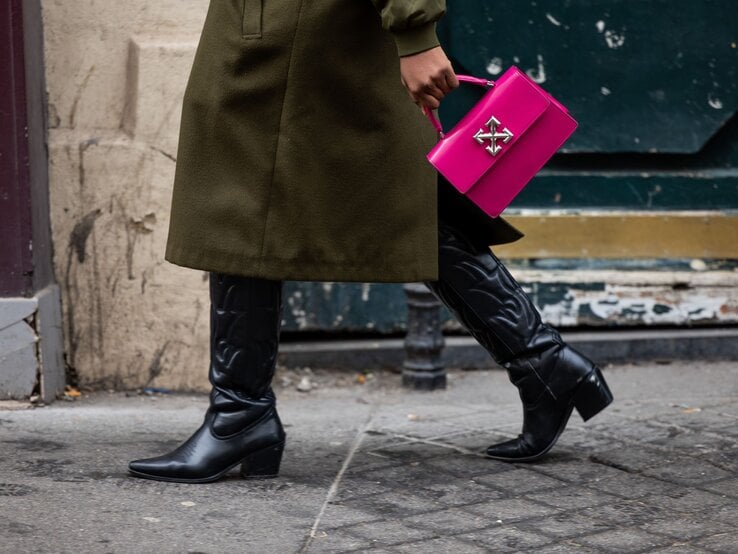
{"points": [[638, 303], [365, 290], [494, 67], [297, 309], [605, 91], [714, 102], [553, 20], [656, 306], [634, 279], [562, 314], [539, 73], [613, 39]]}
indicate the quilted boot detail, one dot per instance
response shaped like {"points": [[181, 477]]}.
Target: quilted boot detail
{"points": [[241, 425], [552, 377]]}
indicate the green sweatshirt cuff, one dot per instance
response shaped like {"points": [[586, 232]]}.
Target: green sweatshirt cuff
{"points": [[415, 40]]}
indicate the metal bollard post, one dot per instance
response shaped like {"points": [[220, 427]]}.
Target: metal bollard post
{"points": [[423, 368]]}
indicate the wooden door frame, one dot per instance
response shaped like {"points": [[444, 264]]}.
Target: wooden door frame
{"points": [[30, 322]]}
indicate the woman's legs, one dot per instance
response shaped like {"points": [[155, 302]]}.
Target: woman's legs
{"points": [[241, 424], [552, 377]]}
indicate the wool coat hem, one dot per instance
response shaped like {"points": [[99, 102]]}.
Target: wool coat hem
{"points": [[278, 269]]}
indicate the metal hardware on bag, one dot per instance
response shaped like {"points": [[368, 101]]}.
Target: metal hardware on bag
{"points": [[493, 136]]}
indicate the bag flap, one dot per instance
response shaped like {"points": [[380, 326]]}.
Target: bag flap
{"points": [[495, 124]]}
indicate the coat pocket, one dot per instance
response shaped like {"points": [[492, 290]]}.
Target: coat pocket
{"points": [[252, 15]]}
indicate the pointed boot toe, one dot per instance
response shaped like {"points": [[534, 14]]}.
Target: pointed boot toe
{"points": [[139, 466], [519, 450], [143, 467], [170, 467], [167, 467], [508, 451], [149, 468]]}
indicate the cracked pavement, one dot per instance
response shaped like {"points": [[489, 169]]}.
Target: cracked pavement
{"points": [[376, 468]]}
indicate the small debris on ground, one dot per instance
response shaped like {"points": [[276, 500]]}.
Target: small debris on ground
{"points": [[305, 385], [71, 393], [364, 377], [35, 399], [687, 409], [287, 379], [156, 390]]}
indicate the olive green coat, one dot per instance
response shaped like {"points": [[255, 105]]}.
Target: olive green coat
{"points": [[301, 156]]}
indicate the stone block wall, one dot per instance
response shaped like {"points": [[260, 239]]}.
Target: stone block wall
{"points": [[116, 73]]}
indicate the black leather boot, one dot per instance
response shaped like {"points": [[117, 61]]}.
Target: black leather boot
{"points": [[552, 377], [241, 425]]}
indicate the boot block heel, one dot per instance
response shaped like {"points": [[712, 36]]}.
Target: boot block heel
{"points": [[263, 464], [592, 395]]}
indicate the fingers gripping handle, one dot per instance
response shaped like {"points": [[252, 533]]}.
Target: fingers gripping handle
{"points": [[464, 79]]}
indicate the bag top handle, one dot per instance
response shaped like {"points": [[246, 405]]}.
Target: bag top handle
{"points": [[462, 79]]}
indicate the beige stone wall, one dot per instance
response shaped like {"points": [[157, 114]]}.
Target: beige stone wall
{"points": [[116, 73]]}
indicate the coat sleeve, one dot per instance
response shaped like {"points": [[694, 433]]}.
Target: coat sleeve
{"points": [[411, 22]]}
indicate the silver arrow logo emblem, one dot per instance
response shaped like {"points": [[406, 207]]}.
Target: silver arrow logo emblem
{"points": [[493, 136]]}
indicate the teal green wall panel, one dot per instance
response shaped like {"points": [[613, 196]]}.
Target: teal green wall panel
{"points": [[346, 307], [639, 75], [630, 191]]}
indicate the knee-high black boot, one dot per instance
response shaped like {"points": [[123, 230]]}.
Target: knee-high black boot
{"points": [[241, 425], [552, 377]]}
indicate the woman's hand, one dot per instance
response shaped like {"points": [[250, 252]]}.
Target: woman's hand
{"points": [[428, 77]]}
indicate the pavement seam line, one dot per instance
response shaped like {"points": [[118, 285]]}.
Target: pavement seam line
{"points": [[430, 441], [337, 480]]}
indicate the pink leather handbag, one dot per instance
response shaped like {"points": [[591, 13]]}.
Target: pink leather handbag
{"points": [[502, 142]]}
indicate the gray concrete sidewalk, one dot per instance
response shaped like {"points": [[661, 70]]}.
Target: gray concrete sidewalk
{"points": [[373, 467]]}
